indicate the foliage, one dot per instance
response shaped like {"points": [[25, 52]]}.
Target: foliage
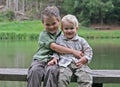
{"points": [[93, 11], [8, 15], [87, 11], [114, 14], [2, 17]]}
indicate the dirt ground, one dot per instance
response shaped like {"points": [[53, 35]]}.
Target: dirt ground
{"points": [[104, 26]]}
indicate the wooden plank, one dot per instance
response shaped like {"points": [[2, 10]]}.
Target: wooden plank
{"points": [[99, 76], [13, 74], [106, 76]]}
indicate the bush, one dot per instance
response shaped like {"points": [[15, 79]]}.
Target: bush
{"points": [[2, 17], [10, 15], [7, 16], [85, 22]]}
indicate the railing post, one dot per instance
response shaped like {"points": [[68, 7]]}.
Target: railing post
{"points": [[97, 85]]}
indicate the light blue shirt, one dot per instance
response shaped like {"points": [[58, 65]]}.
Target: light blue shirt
{"points": [[77, 43]]}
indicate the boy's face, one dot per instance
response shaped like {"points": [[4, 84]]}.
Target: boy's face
{"points": [[51, 24], [69, 30]]}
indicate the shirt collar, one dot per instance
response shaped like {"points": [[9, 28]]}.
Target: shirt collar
{"points": [[75, 38], [57, 34]]}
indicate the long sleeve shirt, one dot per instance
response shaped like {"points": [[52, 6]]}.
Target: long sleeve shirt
{"points": [[77, 43], [45, 39]]}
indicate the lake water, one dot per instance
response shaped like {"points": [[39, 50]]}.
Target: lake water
{"points": [[18, 54]]}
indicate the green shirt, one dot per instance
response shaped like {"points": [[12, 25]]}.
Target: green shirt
{"points": [[44, 52]]}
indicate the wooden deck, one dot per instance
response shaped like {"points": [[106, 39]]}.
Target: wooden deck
{"points": [[99, 76]]}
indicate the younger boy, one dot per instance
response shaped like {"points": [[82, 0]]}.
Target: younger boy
{"points": [[69, 64], [39, 71]]}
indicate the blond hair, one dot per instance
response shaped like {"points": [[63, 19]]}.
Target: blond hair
{"points": [[49, 12], [70, 18]]}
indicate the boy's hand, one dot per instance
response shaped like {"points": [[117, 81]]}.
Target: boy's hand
{"points": [[78, 54], [52, 62], [82, 62]]}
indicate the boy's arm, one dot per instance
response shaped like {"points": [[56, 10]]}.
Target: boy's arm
{"points": [[62, 49], [52, 62], [82, 62], [87, 50]]}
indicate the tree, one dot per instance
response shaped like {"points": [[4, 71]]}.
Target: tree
{"points": [[99, 9], [86, 10], [114, 14]]}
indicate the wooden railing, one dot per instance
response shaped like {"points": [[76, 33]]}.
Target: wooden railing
{"points": [[99, 76]]}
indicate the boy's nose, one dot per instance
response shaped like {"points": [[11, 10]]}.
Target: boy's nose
{"points": [[69, 30], [51, 26]]}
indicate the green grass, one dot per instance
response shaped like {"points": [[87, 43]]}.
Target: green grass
{"points": [[21, 26], [96, 34], [20, 30], [23, 30]]}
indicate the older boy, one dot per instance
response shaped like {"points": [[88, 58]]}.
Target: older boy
{"points": [[39, 70], [69, 64]]}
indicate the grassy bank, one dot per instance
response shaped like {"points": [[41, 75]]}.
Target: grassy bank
{"points": [[29, 30], [20, 30], [102, 34]]}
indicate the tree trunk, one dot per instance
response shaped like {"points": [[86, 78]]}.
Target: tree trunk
{"points": [[7, 4], [15, 5], [37, 5], [23, 6]]}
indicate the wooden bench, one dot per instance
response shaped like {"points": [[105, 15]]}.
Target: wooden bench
{"points": [[102, 28], [99, 76]]}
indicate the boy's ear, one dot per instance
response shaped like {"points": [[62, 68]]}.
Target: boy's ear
{"points": [[77, 28], [58, 19], [42, 21], [61, 27]]}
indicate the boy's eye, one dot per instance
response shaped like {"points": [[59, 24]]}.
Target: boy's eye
{"points": [[66, 28], [47, 25], [69, 28], [54, 23], [72, 28], [50, 24]]}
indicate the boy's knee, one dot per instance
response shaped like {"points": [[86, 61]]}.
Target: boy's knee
{"points": [[86, 78], [63, 82], [53, 69], [36, 71]]}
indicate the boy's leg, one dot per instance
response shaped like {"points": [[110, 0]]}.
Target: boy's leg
{"points": [[51, 76], [35, 74], [64, 77], [84, 78]]}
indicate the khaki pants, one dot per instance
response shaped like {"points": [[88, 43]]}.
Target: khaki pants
{"points": [[83, 76], [39, 72]]}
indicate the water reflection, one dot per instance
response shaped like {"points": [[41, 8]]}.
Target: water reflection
{"points": [[18, 54], [106, 57]]}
